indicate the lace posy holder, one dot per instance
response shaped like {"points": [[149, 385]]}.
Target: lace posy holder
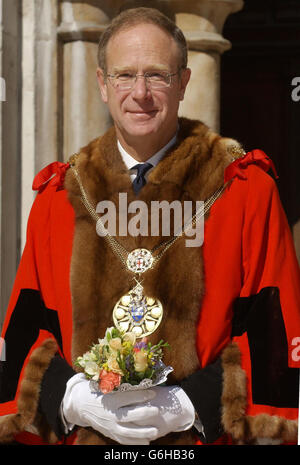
{"points": [[160, 378]]}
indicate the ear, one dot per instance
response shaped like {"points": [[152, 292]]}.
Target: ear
{"points": [[184, 80], [102, 84]]}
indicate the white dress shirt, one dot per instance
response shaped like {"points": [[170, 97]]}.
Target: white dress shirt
{"points": [[154, 160]]}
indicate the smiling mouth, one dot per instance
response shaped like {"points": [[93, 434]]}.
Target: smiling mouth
{"points": [[143, 113]]}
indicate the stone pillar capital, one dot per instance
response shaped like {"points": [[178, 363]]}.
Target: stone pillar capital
{"points": [[202, 22]]}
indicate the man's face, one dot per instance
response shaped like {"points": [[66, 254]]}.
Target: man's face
{"points": [[141, 110]]}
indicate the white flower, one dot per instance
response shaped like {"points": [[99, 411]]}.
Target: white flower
{"points": [[86, 358], [130, 337], [80, 361], [92, 369], [103, 342], [115, 344], [113, 365]]}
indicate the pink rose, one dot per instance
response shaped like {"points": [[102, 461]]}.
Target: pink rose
{"points": [[108, 381]]}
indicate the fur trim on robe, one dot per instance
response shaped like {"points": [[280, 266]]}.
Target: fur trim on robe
{"points": [[28, 418], [246, 429]]}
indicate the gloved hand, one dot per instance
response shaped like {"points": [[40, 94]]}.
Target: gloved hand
{"points": [[113, 414], [175, 411]]}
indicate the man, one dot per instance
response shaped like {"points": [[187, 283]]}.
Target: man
{"points": [[231, 308]]}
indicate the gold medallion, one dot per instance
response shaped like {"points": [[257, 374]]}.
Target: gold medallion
{"points": [[137, 313]]}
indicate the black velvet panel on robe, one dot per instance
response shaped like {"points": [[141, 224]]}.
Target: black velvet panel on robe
{"points": [[273, 382]]}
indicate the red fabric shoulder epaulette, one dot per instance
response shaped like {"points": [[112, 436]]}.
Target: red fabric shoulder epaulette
{"points": [[257, 157], [51, 175]]}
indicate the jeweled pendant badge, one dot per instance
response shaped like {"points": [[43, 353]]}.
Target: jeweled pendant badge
{"points": [[137, 313]]}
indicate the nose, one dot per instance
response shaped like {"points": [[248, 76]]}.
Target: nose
{"points": [[140, 89]]}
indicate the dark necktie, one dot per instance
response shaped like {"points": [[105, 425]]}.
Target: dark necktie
{"points": [[140, 180]]}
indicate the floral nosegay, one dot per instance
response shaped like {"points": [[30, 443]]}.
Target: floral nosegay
{"points": [[119, 359]]}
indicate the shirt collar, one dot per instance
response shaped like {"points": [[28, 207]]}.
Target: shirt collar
{"points": [[154, 160]]}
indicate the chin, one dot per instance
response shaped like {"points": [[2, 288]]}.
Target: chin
{"points": [[141, 129]]}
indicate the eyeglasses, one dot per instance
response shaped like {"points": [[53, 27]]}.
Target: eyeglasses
{"points": [[154, 79]]}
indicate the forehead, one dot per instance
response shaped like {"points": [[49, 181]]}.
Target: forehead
{"points": [[142, 46]]}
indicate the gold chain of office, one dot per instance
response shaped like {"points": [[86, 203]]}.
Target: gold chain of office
{"points": [[134, 311]]}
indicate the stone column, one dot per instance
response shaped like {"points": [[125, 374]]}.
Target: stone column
{"points": [[10, 123], [84, 115], [40, 116], [202, 22]]}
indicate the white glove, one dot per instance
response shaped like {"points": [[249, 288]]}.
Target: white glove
{"points": [[110, 414], [175, 410]]}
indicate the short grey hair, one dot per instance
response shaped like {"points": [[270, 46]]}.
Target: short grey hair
{"points": [[134, 16]]}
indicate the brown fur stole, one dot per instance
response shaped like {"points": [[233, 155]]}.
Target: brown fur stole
{"points": [[192, 170]]}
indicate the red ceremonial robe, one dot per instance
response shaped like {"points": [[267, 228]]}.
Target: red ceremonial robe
{"points": [[248, 325]]}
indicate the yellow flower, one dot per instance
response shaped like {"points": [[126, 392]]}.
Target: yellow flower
{"points": [[140, 361], [126, 345]]}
